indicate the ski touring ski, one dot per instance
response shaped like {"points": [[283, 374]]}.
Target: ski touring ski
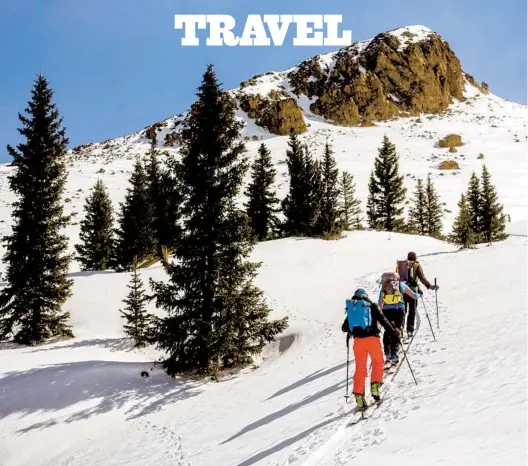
{"points": [[366, 413]]}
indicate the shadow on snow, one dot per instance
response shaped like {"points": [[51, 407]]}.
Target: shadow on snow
{"points": [[113, 344], [285, 411], [98, 387], [288, 442], [309, 378]]}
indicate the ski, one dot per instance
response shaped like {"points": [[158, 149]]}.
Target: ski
{"points": [[365, 414]]}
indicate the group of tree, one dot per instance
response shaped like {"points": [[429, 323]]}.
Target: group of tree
{"points": [[320, 202], [215, 317], [184, 212], [387, 198], [481, 218], [425, 215], [148, 219]]}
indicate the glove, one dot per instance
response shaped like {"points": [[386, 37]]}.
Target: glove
{"points": [[434, 287], [398, 332], [420, 292]]}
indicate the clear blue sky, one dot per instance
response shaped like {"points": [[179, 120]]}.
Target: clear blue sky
{"points": [[117, 65]]}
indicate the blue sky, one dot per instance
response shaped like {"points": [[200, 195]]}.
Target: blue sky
{"points": [[117, 65]]}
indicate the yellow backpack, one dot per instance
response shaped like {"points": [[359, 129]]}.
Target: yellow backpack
{"points": [[390, 288]]}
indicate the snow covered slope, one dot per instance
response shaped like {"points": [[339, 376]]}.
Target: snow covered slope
{"points": [[82, 402]]}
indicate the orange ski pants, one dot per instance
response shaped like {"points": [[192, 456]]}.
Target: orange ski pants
{"points": [[364, 347]]}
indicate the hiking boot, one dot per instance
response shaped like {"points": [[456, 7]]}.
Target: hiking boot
{"points": [[361, 402], [374, 390]]}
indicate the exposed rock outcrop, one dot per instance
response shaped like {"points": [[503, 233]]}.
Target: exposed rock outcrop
{"points": [[409, 70], [276, 112]]}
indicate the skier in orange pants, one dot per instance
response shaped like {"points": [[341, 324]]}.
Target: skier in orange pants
{"points": [[361, 323]]}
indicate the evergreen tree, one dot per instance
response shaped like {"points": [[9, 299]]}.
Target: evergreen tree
{"points": [[215, 315], [36, 251], [97, 240], [138, 321], [293, 205], [434, 211], [262, 201], [164, 197], [349, 206], [418, 212], [313, 182], [329, 210], [493, 220], [474, 200], [386, 190], [372, 211], [302, 205], [135, 237], [463, 234]]}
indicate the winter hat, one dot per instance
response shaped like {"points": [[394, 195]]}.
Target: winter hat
{"points": [[360, 292], [411, 256]]}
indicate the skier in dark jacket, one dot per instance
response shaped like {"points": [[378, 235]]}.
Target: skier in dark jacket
{"points": [[414, 273], [367, 343]]}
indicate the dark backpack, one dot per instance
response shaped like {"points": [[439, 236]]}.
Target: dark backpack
{"points": [[407, 271]]}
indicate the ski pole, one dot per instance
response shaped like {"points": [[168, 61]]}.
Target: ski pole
{"points": [[348, 361], [436, 297], [427, 315], [407, 359]]}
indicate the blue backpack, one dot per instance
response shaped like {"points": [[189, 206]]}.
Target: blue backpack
{"points": [[358, 313]]}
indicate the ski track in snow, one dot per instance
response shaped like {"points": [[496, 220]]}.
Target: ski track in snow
{"points": [[323, 449]]}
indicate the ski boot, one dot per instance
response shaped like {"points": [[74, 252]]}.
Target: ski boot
{"points": [[394, 359], [374, 390], [361, 402], [387, 363]]}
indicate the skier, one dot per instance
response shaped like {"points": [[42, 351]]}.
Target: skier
{"points": [[391, 303], [410, 272], [361, 322]]}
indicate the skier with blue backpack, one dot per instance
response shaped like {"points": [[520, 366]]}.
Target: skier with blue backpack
{"points": [[361, 323]]}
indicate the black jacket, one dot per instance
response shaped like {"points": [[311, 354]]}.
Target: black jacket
{"points": [[373, 330]]}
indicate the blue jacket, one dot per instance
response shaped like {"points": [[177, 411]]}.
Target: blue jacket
{"points": [[400, 304]]}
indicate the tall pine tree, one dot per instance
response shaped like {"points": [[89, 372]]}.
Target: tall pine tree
{"points": [[215, 315], [386, 190], [349, 206], [463, 234], [313, 182], [138, 322], [293, 205], [135, 236], [474, 200], [97, 235], [262, 204], [328, 224], [36, 256], [493, 219], [434, 211], [164, 197], [418, 212]]}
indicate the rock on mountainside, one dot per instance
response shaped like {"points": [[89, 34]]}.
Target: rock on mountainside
{"points": [[407, 71]]}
